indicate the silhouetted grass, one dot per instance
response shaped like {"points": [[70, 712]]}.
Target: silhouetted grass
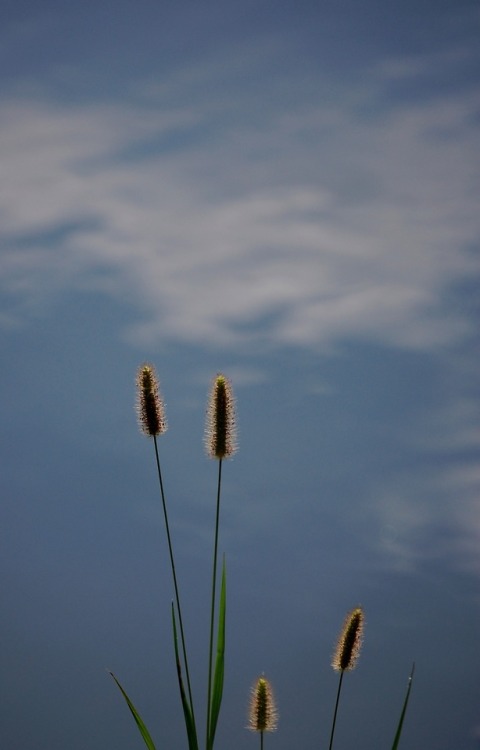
{"points": [[220, 443]]}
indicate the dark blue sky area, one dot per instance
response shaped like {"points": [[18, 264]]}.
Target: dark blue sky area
{"points": [[287, 193], [112, 44]]}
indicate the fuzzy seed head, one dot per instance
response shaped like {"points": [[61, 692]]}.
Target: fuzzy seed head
{"points": [[220, 433], [263, 715], [350, 641], [150, 407]]}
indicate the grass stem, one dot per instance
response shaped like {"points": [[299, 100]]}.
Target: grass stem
{"points": [[174, 575], [335, 711], [212, 607]]}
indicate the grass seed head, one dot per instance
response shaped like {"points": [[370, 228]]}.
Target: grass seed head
{"points": [[263, 715], [350, 641], [220, 432], [150, 407]]}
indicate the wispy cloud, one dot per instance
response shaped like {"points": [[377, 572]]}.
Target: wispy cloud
{"points": [[432, 510], [328, 222], [415, 520]]}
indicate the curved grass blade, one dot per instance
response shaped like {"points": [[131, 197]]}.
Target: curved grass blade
{"points": [[404, 710], [141, 726], [217, 690], [187, 711]]}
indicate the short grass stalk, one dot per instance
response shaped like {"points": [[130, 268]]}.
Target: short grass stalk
{"points": [[346, 653]]}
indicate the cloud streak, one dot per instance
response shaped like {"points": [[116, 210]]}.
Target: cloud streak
{"points": [[314, 226]]}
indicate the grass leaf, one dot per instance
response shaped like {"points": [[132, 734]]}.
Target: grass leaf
{"points": [[404, 710], [217, 690], [187, 711], [141, 726]]}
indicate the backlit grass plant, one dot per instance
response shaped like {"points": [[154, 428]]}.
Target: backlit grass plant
{"points": [[221, 444], [346, 654]]}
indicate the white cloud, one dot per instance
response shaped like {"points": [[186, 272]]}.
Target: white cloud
{"points": [[320, 224]]}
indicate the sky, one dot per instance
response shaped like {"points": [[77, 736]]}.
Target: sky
{"points": [[286, 193]]}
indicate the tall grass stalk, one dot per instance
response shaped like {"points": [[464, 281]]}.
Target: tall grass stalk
{"points": [[220, 443], [152, 421]]}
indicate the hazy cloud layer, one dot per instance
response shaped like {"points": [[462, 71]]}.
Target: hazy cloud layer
{"points": [[343, 219]]}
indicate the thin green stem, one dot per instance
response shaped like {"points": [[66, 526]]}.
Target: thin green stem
{"points": [[212, 608], [174, 575], [404, 710], [261, 740], [336, 709]]}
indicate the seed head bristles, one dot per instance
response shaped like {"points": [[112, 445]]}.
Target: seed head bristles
{"points": [[150, 407], [350, 641], [263, 715], [220, 434]]}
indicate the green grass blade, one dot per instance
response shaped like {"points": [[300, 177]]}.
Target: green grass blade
{"points": [[187, 711], [141, 726], [217, 690], [404, 710]]}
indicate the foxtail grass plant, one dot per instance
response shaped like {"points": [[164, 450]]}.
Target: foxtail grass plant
{"points": [[263, 714], [153, 422], [220, 444], [346, 654]]}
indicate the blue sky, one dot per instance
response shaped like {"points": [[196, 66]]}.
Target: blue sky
{"points": [[286, 192]]}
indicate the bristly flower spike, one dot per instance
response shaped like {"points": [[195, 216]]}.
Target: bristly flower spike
{"points": [[220, 432], [150, 407], [263, 715], [346, 654], [350, 641]]}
